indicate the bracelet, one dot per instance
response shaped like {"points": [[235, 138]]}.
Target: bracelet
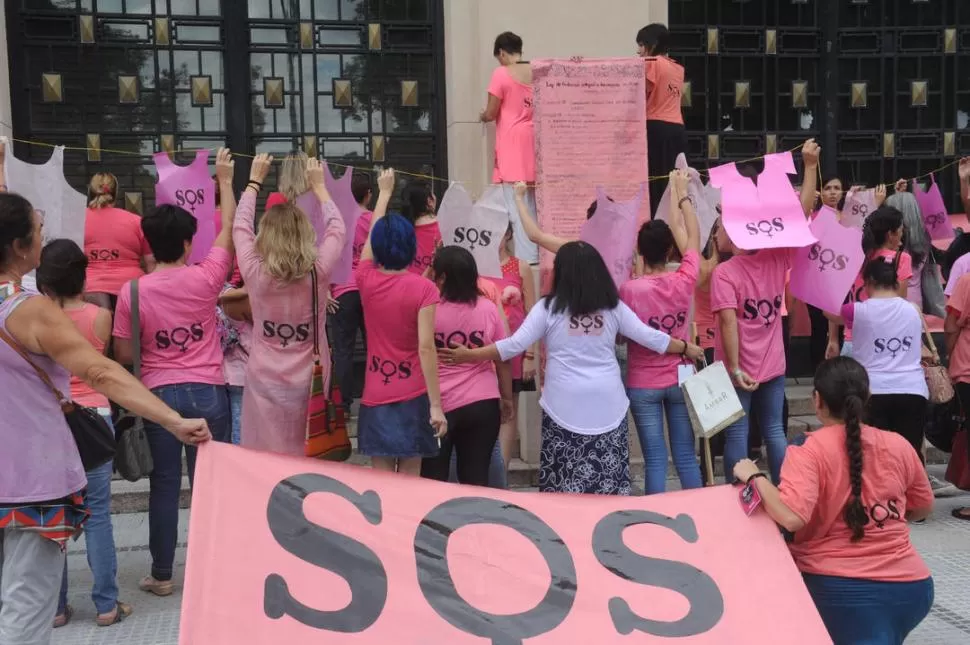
{"points": [[683, 352], [253, 182], [680, 204], [755, 476]]}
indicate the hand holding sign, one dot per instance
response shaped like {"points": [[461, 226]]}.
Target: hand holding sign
{"points": [[478, 227], [935, 214], [824, 272], [704, 198], [859, 204], [323, 188]]}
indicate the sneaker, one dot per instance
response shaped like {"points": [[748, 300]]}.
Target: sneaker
{"points": [[942, 488], [157, 587]]}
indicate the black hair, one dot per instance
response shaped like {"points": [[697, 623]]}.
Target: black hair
{"points": [[581, 283], [62, 270], [843, 384], [167, 229], [881, 272], [415, 200], [959, 247], [826, 178], [655, 242], [877, 227], [456, 266], [592, 207], [16, 225], [655, 37], [361, 185], [507, 42]]}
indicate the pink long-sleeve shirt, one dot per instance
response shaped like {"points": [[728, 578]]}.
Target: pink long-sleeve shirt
{"points": [[280, 363]]}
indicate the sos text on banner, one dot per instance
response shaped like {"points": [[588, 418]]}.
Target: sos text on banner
{"points": [[313, 552], [823, 273]]}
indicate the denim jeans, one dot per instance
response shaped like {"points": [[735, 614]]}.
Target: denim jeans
{"points": [[648, 407], [767, 402], [99, 541], [192, 401], [235, 407], [497, 473], [859, 612], [525, 249], [846, 348]]}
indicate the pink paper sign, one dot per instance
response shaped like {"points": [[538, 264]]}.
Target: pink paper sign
{"points": [[192, 188], [590, 131], [935, 214], [343, 198], [344, 555], [763, 216], [479, 227], [704, 201], [824, 272], [613, 231], [859, 204]]}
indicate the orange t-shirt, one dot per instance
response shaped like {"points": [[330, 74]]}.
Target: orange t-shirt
{"points": [[115, 245], [815, 486], [665, 81], [959, 304]]}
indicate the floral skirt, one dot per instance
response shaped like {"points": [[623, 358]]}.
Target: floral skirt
{"points": [[578, 463]]}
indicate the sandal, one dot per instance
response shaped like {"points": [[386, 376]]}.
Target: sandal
{"points": [[962, 513], [62, 619], [158, 587], [121, 611]]}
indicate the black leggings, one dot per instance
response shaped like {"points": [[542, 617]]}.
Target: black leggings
{"points": [[472, 432], [904, 414]]}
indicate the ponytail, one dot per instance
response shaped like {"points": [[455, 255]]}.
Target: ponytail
{"points": [[854, 513], [102, 190]]}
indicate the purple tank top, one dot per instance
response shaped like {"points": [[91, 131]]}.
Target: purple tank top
{"points": [[39, 460]]}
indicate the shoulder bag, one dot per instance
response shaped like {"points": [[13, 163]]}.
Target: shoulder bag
{"points": [[134, 460], [937, 378], [94, 439], [326, 425]]}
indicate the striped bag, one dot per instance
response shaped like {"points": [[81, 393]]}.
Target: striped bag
{"points": [[326, 425]]}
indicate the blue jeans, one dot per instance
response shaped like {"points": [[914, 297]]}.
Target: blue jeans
{"points": [[497, 474], [235, 406], [99, 541], [768, 403], [648, 407], [867, 612], [192, 401], [846, 348]]}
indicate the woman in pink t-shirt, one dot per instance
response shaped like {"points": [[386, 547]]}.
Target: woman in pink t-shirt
{"points": [[661, 298], [419, 204], [847, 494], [401, 418], [510, 107], [474, 402], [113, 242]]}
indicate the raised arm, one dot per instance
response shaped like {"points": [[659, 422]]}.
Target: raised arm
{"points": [[810, 154], [683, 216], [331, 246], [243, 228], [964, 170], [386, 185], [225, 167], [547, 241]]}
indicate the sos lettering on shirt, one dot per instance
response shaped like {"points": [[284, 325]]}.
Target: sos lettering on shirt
{"points": [[586, 325], [669, 322], [103, 255], [472, 340], [768, 227], [180, 338], [285, 332], [422, 262], [390, 370], [827, 258], [766, 310], [892, 345]]}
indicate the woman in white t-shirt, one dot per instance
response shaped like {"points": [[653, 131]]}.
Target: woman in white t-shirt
{"points": [[887, 340], [585, 447]]}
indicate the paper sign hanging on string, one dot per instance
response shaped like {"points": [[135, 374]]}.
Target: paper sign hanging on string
{"points": [[478, 227], [824, 272], [613, 232], [350, 211], [704, 208], [763, 216], [62, 208], [192, 188], [859, 204], [935, 214]]}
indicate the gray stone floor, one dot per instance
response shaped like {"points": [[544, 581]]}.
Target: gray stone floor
{"points": [[943, 541]]}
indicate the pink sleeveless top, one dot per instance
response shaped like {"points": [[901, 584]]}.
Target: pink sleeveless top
{"points": [[83, 319]]}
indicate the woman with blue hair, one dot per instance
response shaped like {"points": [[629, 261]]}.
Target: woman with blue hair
{"points": [[401, 419]]}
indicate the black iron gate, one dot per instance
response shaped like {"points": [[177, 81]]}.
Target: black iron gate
{"points": [[360, 82], [883, 84]]}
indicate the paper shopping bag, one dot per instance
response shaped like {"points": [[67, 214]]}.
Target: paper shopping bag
{"points": [[712, 403]]}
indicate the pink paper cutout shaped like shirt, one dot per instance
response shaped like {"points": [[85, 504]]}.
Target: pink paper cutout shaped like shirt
{"points": [[822, 274], [515, 154], [612, 232], [192, 188]]}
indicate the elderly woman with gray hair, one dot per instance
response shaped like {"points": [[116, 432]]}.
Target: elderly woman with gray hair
{"points": [[916, 242]]}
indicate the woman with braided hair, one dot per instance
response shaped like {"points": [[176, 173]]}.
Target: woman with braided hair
{"points": [[846, 494]]}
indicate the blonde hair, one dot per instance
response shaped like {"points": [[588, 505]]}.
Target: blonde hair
{"points": [[102, 190], [286, 242], [293, 176]]}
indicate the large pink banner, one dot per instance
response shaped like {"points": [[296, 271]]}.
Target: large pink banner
{"points": [[289, 550], [590, 131], [824, 272]]}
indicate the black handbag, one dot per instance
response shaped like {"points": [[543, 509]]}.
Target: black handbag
{"points": [[134, 459], [943, 421], [93, 436]]}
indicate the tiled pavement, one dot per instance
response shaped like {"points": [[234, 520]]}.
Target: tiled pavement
{"points": [[943, 541]]}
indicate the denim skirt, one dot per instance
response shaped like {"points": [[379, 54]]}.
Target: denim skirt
{"points": [[399, 430]]}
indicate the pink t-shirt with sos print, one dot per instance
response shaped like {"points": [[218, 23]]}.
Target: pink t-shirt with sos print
{"points": [[903, 273], [515, 154], [473, 326], [115, 245], [391, 303], [753, 285], [361, 234], [179, 342], [662, 301], [429, 237]]}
